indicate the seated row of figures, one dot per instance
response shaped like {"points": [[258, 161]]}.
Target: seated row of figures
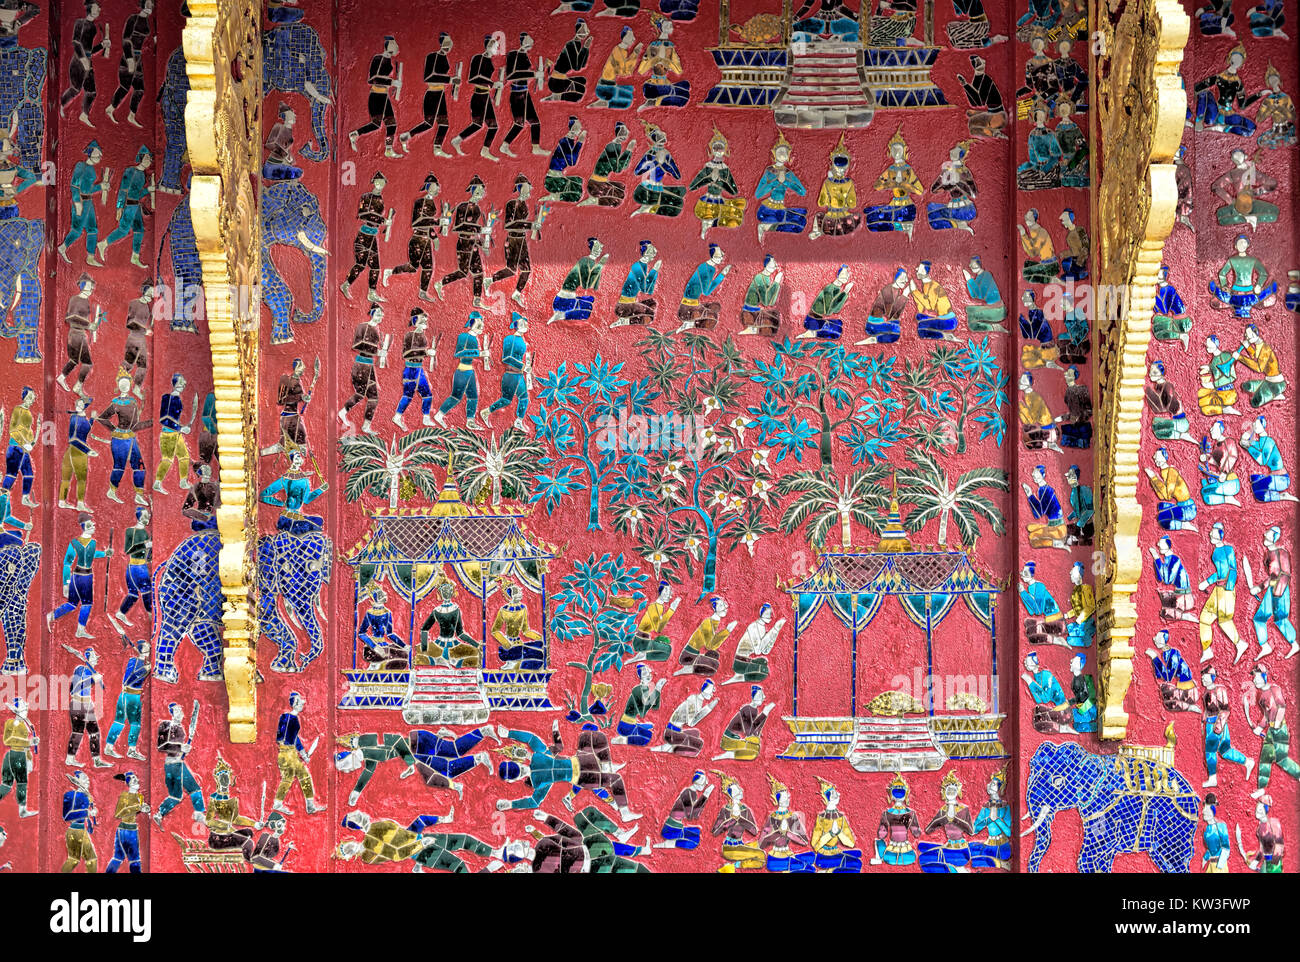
{"points": [[1045, 623], [1220, 482], [1218, 393], [1178, 601], [1243, 284], [1219, 102], [1265, 19]]}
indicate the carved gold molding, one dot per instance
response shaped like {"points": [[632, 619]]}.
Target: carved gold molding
{"points": [[1142, 109], [223, 125]]}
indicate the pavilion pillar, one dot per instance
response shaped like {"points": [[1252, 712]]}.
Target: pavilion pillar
{"points": [[223, 127]]}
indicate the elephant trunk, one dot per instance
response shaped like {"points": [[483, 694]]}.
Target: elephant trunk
{"points": [[320, 150], [1042, 829], [318, 268]]}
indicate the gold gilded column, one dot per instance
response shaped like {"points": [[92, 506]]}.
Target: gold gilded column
{"points": [[1137, 56], [223, 126]]}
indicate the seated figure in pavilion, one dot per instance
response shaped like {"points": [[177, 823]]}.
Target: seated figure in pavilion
{"points": [[955, 180], [824, 19], [898, 828], [381, 647], [1047, 529], [986, 310], [1273, 481], [1051, 713], [1040, 265], [900, 180], [1168, 419], [1175, 509], [1220, 99], [776, 188], [1039, 348], [1043, 622], [1174, 676], [453, 645], [824, 320], [954, 820], [838, 198], [1240, 188], [1258, 355], [1218, 392], [1042, 171], [1219, 456], [518, 645], [971, 28]]}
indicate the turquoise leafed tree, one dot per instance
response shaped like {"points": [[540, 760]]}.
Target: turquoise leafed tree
{"points": [[689, 485], [597, 603], [580, 408]]}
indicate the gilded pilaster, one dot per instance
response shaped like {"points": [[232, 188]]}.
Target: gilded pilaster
{"points": [[1142, 110], [223, 129]]}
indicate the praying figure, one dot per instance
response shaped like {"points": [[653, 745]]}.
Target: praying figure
{"points": [[900, 180]]}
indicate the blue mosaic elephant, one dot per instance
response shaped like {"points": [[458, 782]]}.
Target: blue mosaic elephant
{"points": [[187, 271], [24, 94], [18, 566], [1127, 804], [291, 217], [290, 571], [293, 61], [171, 104], [21, 241], [187, 587]]}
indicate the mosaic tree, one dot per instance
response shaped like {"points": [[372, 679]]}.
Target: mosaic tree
{"points": [[382, 470], [597, 602], [688, 478], [927, 490], [821, 501], [488, 470], [578, 410], [954, 391]]}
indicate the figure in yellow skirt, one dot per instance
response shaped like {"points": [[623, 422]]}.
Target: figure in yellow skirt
{"points": [[79, 814], [700, 654], [1221, 605], [171, 437], [719, 206], [735, 821], [1218, 392], [742, 738], [832, 839], [518, 646], [292, 758], [650, 643]]}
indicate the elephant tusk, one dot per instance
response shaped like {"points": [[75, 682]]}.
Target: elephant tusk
{"points": [[310, 89], [1042, 817]]}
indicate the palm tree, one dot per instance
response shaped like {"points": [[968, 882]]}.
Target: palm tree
{"points": [[378, 469], [485, 466], [820, 502], [927, 490]]}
